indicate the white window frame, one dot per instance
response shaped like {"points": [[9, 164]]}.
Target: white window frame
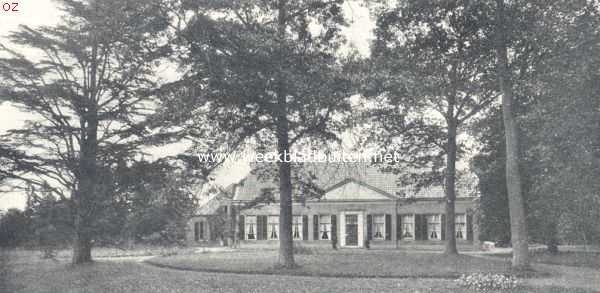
{"points": [[272, 224], [324, 227], [408, 221], [378, 221], [460, 224], [248, 223], [434, 221], [297, 224]]}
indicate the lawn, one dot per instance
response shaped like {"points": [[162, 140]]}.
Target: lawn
{"points": [[342, 263], [21, 273], [102, 252], [565, 258]]}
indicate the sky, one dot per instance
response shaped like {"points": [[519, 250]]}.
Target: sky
{"points": [[45, 12]]}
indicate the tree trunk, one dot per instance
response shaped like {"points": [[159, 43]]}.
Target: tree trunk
{"points": [[450, 181], [85, 195], [82, 243], [82, 247], [83, 203], [286, 243], [518, 223]]}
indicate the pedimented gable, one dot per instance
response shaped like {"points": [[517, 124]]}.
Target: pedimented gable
{"points": [[349, 190]]}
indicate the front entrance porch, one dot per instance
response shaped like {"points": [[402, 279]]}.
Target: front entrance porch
{"points": [[352, 229]]}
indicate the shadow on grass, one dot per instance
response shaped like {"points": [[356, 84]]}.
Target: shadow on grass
{"points": [[300, 272], [393, 265], [565, 258]]}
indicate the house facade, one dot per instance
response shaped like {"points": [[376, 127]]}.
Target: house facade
{"points": [[358, 207]]}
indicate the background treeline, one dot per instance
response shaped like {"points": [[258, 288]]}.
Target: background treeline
{"points": [[558, 112], [150, 205]]}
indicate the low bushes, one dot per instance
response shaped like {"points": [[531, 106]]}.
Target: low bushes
{"points": [[481, 282]]}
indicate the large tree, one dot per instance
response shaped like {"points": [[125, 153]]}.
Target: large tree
{"points": [[518, 221], [565, 122], [540, 48], [544, 40], [433, 73], [87, 86], [267, 71]]}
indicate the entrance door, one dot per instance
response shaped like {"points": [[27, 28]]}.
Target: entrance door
{"points": [[351, 230]]}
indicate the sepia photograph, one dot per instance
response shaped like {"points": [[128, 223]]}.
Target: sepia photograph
{"points": [[313, 146]]}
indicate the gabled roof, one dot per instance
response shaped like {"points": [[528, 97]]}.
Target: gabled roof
{"points": [[352, 189], [329, 176], [214, 197]]}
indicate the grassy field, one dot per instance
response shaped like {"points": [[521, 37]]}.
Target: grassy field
{"points": [[565, 258], [27, 273], [384, 263], [102, 252]]}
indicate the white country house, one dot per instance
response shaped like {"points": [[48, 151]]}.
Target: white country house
{"points": [[359, 207]]}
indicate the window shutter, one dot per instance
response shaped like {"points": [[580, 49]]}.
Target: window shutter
{"points": [[398, 227], [316, 227], [305, 228], [196, 231], [418, 228], [443, 228], [209, 234], [265, 230], [369, 227], [388, 227], [212, 232], [230, 227], [259, 228], [261, 222], [242, 233], [470, 227], [424, 228], [334, 231]]}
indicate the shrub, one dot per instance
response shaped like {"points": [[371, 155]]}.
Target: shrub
{"points": [[481, 282], [15, 227]]}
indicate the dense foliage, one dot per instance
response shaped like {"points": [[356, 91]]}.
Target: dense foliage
{"points": [[557, 110], [264, 72]]}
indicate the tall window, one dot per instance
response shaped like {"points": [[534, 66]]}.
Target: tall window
{"points": [[198, 231], [378, 227], [324, 227], [273, 227], [434, 226], [297, 227], [251, 227], [408, 227], [461, 226]]}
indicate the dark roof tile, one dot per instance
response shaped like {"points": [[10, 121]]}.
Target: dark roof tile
{"points": [[330, 174]]}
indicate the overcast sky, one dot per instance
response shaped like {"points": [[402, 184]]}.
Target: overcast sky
{"points": [[45, 12]]}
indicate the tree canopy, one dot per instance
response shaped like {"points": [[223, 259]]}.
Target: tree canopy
{"points": [[89, 88]]}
